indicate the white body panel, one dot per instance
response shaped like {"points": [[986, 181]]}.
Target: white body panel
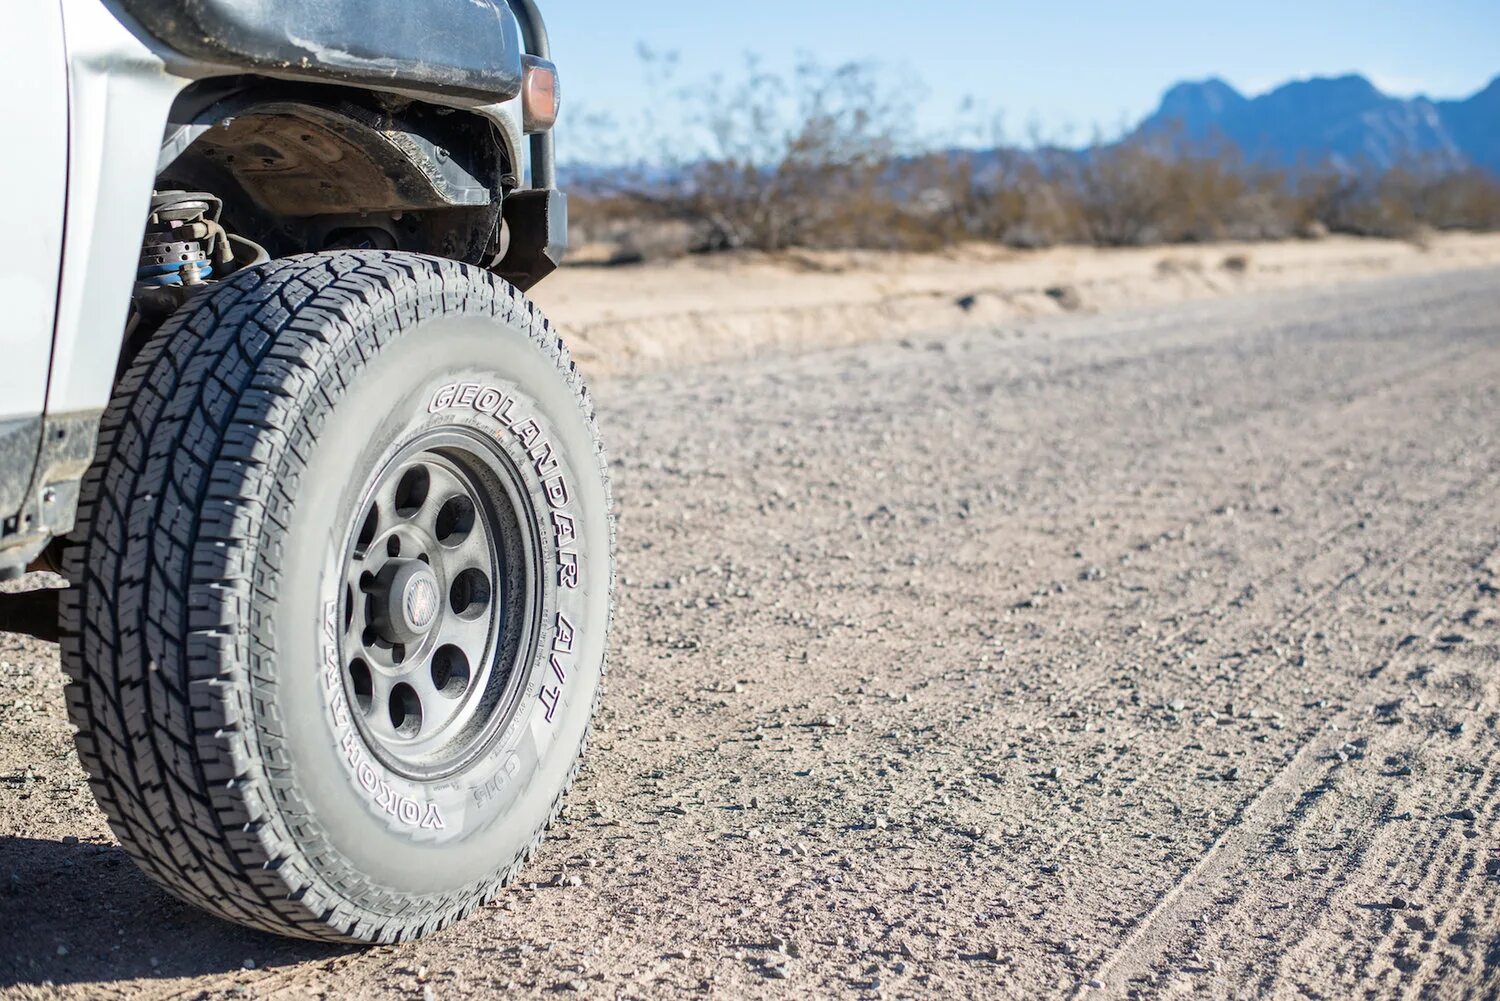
{"points": [[122, 88], [88, 97], [33, 76], [120, 96]]}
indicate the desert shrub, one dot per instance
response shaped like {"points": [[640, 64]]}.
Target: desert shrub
{"points": [[804, 161], [824, 158], [1467, 200]]}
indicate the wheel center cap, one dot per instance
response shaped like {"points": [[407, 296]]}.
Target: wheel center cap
{"points": [[420, 603], [408, 602]]}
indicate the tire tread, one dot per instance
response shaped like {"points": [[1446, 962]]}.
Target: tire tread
{"points": [[167, 561]]}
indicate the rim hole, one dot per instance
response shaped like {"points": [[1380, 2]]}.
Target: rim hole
{"points": [[364, 685], [411, 492], [450, 672], [398, 653], [393, 547], [406, 711], [470, 594], [368, 529], [348, 607], [455, 521]]}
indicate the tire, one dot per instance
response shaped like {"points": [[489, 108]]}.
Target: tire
{"points": [[256, 541]]}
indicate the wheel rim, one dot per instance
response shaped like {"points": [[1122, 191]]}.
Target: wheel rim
{"points": [[439, 588]]}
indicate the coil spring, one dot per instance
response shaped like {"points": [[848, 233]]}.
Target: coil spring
{"points": [[174, 251]]}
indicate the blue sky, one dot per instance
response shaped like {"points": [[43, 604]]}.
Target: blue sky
{"points": [[1068, 66]]}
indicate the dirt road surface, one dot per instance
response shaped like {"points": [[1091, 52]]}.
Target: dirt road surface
{"points": [[1152, 655]]}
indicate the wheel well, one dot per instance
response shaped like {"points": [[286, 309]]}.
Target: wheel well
{"points": [[311, 167]]}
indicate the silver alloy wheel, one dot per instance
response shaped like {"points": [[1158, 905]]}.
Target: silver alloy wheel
{"points": [[439, 588]]}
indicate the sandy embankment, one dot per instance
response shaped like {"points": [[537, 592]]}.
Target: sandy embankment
{"points": [[706, 309]]}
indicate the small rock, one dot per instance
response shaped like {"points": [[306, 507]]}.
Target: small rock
{"points": [[1065, 296], [1399, 903], [248, 964], [1467, 813]]}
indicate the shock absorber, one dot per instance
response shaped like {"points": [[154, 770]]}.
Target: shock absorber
{"points": [[184, 241]]}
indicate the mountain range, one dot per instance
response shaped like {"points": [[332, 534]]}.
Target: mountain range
{"points": [[1343, 122]]}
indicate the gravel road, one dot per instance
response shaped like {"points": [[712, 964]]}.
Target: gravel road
{"points": [[1151, 655]]}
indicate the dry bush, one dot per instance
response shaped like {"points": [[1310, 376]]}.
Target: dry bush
{"points": [[800, 162], [1401, 203], [619, 229], [1136, 193], [1005, 196], [820, 160], [1470, 200], [1112, 195]]}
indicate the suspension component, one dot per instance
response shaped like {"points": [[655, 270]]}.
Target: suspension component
{"points": [[184, 241]]}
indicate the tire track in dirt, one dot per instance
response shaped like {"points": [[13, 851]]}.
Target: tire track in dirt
{"points": [[1392, 560], [1419, 544], [1322, 913], [1274, 810], [1423, 543], [1440, 874], [1321, 536]]}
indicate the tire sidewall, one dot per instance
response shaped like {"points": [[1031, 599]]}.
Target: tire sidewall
{"points": [[410, 837]]}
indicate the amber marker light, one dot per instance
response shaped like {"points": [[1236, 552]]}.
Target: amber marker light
{"points": [[540, 95]]}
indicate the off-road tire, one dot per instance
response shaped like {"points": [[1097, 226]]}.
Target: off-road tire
{"points": [[202, 634]]}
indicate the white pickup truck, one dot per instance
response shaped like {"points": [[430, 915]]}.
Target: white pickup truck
{"points": [[325, 486]]}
